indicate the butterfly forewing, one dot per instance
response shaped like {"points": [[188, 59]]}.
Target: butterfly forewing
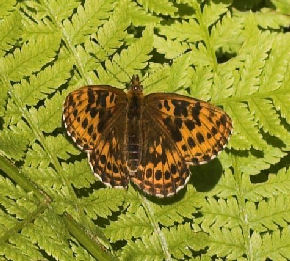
{"points": [[199, 129], [90, 111]]}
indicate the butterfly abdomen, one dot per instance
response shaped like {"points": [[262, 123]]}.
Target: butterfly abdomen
{"points": [[133, 130]]}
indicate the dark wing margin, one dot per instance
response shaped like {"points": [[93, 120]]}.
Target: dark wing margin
{"points": [[199, 130]]}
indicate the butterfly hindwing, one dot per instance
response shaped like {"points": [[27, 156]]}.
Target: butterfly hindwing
{"points": [[88, 111], [107, 160], [199, 129], [162, 171]]}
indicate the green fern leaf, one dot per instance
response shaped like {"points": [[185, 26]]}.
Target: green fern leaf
{"points": [[212, 12], [88, 18], [183, 240], [189, 31], [246, 134], [30, 58], [146, 249], [14, 141], [10, 28], [6, 7], [161, 7], [131, 225]]}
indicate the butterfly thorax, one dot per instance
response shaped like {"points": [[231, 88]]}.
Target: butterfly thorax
{"points": [[133, 139]]}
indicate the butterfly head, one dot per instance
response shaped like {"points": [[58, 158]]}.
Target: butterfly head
{"points": [[135, 85]]}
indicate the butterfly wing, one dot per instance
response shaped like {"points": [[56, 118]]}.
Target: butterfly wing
{"points": [[198, 129], [107, 160], [94, 117], [90, 111], [162, 171]]}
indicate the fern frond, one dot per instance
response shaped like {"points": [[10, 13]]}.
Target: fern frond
{"points": [[220, 213], [277, 184], [140, 17], [179, 211], [246, 133], [6, 7], [171, 48], [55, 240], [276, 246], [131, 225], [212, 12], [30, 58], [183, 240], [79, 174], [132, 58], [103, 202], [161, 7], [87, 19], [270, 215], [253, 67], [275, 20], [112, 33], [189, 31], [48, 117], [268, 118], [45, 83], [10, 30], [14, 141], [226, 242], [146, 249]]}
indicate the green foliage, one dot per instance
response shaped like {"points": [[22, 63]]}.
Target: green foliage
{"points": [[234, 208]]}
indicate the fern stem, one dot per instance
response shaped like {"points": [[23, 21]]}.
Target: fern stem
{"points": [[150, 214], [242, 207], [20, 179], [95, 249]]}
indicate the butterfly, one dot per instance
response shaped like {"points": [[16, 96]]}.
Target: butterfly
{"points": [[148, 140]]}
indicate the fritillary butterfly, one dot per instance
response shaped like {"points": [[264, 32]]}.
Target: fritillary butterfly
{"points": [[149, 140]]}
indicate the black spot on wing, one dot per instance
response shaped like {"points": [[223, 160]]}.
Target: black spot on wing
{"points": [[91, 96], [174, 130], [90, 129], [189, 124], [180, 108], [101, 100], [214, 131], [148, 173], [93, 112], [158, 175], [195, 113], [190, 142], [85, 123], [166, 105], [199, 137], [223, 120]]}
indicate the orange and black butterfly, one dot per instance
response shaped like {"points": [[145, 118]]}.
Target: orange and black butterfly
{"points": [[149, 140]]}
